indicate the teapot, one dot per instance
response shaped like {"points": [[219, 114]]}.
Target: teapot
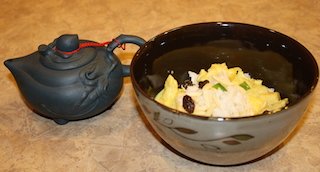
{"points": [[71, 79]]}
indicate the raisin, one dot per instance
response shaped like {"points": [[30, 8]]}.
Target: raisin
{"points": [[188, 104], [203, 83], [186, 83]]}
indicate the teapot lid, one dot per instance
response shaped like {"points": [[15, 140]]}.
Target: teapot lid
{"points": [[67, 43], [66, 52]]}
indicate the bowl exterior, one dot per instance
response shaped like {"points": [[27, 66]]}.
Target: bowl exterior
{"points": [[225, 142]]}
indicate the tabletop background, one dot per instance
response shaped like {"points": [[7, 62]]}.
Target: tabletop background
{"points": [[120, 139]]}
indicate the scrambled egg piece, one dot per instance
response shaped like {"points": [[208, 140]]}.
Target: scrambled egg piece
{"points": [[168, 95], [221, 92]]}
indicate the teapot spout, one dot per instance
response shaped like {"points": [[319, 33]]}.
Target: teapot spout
{"points": [[10, 64], [14, 65], [19, 68]]}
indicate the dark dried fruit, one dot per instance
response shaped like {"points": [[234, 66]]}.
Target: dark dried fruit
{"points": [[186, 83], [203, 83], [188, 104]]}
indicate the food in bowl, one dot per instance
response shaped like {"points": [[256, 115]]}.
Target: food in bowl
{"points": [[220, 92]]}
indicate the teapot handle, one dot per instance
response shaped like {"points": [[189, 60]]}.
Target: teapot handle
{"points": [[122, 39]]}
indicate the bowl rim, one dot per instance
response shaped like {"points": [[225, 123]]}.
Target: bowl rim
{"points": [[223, 24]]}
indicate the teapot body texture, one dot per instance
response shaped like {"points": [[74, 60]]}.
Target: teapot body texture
{"points": [[69, 86]]}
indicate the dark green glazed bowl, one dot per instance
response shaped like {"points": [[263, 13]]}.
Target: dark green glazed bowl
{"points": [[280, 61]]}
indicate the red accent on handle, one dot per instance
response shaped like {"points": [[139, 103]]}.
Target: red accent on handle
{"points": [[92, 44]]}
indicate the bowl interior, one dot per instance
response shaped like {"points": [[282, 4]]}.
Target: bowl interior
{"points": [[281, 62]]}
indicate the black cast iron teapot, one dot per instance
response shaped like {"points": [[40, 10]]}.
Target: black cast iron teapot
{"points": [[71, 79]]}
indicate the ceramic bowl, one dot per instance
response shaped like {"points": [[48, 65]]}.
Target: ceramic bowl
{"points": [[280, 61]]}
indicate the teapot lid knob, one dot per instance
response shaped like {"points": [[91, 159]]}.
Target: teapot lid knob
{"points": [[67, 42]]}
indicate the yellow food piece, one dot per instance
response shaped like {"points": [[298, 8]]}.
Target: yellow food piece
{"points": [[168, 95]]}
